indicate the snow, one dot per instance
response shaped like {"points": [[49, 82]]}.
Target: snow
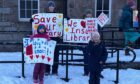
{"points": [[9, 72]]}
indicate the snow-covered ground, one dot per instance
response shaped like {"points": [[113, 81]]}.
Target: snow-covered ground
{"points": [[8, 72]]}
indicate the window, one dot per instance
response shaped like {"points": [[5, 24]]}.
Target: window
{"points": [[26, 8], [103, 6]]}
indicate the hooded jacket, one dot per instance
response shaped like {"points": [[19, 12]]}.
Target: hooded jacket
{"points": [[39, 34], [126, 21], [97, 53]]}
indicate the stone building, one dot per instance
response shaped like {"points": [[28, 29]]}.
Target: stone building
{"points": [[15, 15]]}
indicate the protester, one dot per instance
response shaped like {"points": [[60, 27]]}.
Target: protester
{"points": [[126, 24], [88, 14], [39, 68], [97, 57]]}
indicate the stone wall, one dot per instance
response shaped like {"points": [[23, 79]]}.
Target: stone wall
{"points": [[75, 9]]}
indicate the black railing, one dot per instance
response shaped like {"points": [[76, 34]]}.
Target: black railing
{"points": [[112, 46]]}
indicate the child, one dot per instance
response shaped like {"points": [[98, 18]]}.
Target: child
{"points": [[39, 69], [97, 57]]}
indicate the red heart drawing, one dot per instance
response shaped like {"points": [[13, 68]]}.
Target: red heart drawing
{"points": [[83, 24], [31, 57], [37, 56], [49, 59], [43, 56], [29, 50]]}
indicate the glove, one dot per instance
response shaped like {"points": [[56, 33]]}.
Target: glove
{"points": [[120, 29], [31, 20]]}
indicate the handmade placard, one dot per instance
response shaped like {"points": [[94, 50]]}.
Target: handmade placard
{"points": [[38, 50]]}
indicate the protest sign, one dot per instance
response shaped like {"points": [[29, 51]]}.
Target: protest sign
{"points": [[38, 50], [52, 21]]}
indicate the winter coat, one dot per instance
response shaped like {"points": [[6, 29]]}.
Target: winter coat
{"points": [[40, 36], [126, 21], [97, 53]]}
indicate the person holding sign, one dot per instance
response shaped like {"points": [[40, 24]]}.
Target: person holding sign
{"points": [[39, 68], [126, 23], [51, 9], [97, 57], [88, 14]]}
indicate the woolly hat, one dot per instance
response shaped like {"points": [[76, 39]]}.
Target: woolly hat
{"points": [[41, 26], [51, 3], [88, 11], [131, 2]]}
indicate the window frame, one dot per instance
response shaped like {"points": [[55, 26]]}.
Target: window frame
{"points": [[110, 10], [26, 19]]}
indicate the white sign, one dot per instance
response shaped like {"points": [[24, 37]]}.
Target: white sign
{"points": [[91, 24], [39, 50], [135, 18], [102, 19], [75, 31], [52, 21]]}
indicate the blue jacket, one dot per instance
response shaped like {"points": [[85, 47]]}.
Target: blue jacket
{"points": [[96, 54], [126, 19]]}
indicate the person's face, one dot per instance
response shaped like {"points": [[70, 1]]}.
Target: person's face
{"points": [[129, 1], [51, 8], [133, 7], [95, 38], [42, 30], [89, 16]]}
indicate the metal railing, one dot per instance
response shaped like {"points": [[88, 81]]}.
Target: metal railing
{"points": [[68, 47]]}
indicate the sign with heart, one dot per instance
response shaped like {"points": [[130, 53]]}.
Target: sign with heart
{"points": [[78, 30], [91, 24], [39, 50]]}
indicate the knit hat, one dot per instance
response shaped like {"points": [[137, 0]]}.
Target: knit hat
{"points": [[131, 3], [41, 26], [88, 11], [51, 3]]}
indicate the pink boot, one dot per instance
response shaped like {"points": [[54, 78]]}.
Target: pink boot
{"points": [[35, 81], [41, 82]]}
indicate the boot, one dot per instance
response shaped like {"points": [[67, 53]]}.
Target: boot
{"points": [[41, 82], [127, 52], [47, 73], [101, 76], [35, 81]]}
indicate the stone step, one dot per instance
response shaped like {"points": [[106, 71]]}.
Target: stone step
{"points": [[10, 48], [12, 36], [5, 10], [12, 28], [5, 24]]}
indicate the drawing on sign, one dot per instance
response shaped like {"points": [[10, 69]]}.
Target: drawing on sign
{"points": [[38, 50], [77, 30], [102, 19]]}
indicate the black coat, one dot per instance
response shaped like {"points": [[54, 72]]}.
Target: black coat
{"points": [[126, 21], [96, 54]]}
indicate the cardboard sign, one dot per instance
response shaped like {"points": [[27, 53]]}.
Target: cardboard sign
{"points": [[102, 19], [75, 31], [135, 18], [52, 21], [91, 24], [39, 50]]}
